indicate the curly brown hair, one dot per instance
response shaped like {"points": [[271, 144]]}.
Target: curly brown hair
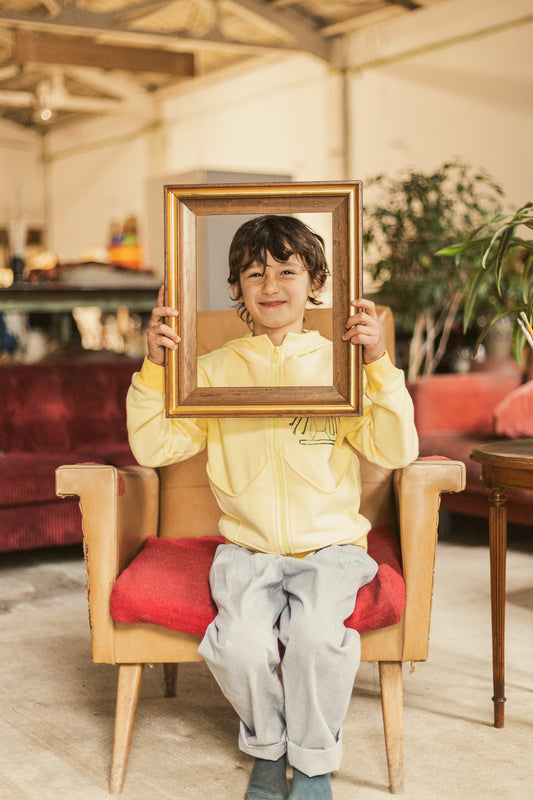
{"points": [[281, 236]]}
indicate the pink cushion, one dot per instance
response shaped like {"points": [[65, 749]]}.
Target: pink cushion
{"points": [[513, 416], [168, 584]]}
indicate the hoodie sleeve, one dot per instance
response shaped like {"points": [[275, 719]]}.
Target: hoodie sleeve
{"points": [[385, 433], [155, 439]]}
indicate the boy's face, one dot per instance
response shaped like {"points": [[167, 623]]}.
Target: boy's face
{"points": [[275, 296]]}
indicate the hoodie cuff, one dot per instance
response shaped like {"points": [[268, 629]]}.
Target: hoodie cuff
{"points": [[152, 376], [380, 373]]}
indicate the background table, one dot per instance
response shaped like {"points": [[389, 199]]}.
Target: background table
{"points": [[504, 465]]}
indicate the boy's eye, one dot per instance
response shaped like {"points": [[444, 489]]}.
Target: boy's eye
{"points": [[259, 275]]}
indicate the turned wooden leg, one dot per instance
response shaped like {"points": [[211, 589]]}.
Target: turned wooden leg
{"points": [[390, 674], [498, 551], [171, 679], [129, 685]]}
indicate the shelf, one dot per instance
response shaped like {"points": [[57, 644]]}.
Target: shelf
{"points": [[53, 298]]}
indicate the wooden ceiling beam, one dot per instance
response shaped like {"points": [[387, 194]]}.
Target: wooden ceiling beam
{"points": [[16, 99], [363, 20], [76, 21], [302, 30], [46, 48], [410, 5]]}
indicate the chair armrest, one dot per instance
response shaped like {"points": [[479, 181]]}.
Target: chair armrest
{"points": [[418, 488], [119, 511]]}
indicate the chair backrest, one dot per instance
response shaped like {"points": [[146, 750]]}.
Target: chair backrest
{"points": [[187, 506]]}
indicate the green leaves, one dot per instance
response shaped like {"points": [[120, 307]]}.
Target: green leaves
{"points": [[502, 263], [472, 291], [407, 219]]}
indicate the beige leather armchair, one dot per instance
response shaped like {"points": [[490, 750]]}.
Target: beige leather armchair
{"points": [[121, 508]]}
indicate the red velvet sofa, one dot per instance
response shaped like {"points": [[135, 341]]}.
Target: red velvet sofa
{"points": [[454, 413], [55, 413]]}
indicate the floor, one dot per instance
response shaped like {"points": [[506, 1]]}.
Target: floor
{"points": [[57, 708]]}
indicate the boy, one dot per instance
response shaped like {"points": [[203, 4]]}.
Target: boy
{"points": [[295, 552]]}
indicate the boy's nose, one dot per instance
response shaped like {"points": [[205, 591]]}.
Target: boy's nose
{"points": [[271, 285]]}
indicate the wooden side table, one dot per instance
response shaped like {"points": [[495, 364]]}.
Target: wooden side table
{"points": [[504, 465]]}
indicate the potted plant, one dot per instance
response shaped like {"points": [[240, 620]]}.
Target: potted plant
{"points": [[499, 256], [407, 218]]}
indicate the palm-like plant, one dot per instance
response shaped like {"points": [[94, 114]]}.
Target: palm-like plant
{"points": [[499, 254]]}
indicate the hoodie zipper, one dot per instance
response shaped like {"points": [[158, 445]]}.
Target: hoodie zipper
{"points": [[282, 495]]}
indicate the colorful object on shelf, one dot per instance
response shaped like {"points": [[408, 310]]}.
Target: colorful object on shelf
{"points": [[124, 248]]}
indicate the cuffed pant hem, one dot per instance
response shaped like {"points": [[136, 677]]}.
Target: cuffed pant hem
{"points": [[270, 752], [314, 762]]}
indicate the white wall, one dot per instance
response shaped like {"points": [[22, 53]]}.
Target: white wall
{"points": [[273, 117], [452, 81], [458, 83], [21, 185], [102, 169], [427, 87], [96, 172]]}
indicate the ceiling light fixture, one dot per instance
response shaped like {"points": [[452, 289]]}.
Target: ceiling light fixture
{"points": [[44, 109]]}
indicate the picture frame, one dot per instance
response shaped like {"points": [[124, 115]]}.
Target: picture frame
{"points": [[183, 205]]}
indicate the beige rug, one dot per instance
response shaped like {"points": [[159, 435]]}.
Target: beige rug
{"points": [[57, 708]]}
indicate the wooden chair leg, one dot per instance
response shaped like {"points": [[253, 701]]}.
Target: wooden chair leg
{"points": [[390, 674], [171, 679], [129, 685]]}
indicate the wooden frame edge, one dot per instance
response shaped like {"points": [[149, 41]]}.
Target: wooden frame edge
{"points": [[183, 203]]}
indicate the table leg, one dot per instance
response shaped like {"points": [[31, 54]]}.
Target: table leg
{"points": [[498, 550]]}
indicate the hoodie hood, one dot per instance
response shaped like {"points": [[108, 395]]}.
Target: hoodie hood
{"points": [[294, 344], [255, 361]]}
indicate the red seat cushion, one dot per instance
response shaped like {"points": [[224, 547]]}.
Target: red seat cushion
{"points": [[168, 584]]}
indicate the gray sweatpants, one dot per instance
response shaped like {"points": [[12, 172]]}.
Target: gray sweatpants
{"points": [[310, 598]]}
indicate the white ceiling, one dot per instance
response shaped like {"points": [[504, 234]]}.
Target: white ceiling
{"points": [[60, 59]]}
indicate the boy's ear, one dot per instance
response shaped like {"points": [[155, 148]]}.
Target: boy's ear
{"points": [[236, 291], [317, 289]]}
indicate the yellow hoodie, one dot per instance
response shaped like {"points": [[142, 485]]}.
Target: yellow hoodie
{"points": [[283, 485]]}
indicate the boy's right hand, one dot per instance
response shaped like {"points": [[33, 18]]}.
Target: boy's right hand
{"points": [[160, 335]]}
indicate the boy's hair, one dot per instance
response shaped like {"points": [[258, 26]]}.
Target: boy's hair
{"points": [[281, 236]]}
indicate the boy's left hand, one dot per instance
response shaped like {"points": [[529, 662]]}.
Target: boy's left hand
{"points": [[364, 328]]}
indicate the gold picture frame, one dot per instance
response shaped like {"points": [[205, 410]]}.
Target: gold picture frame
{"points": [[183, 204]]}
